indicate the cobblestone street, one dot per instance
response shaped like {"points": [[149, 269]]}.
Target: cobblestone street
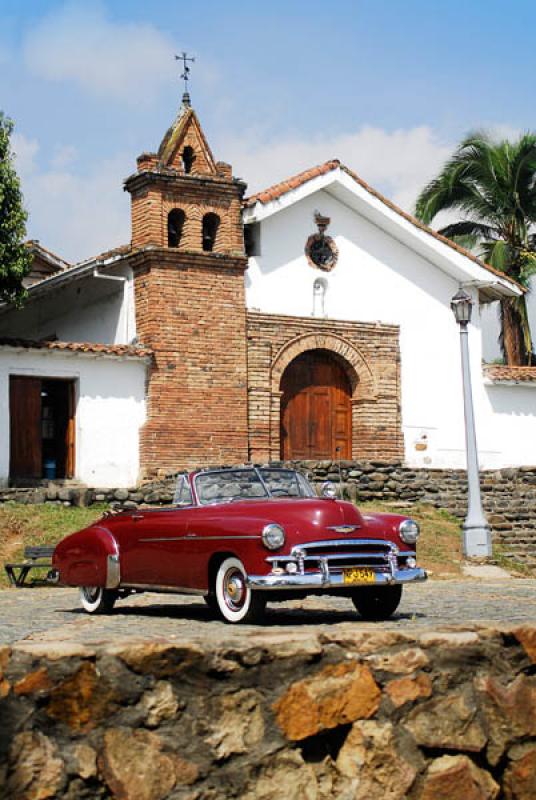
{"points": [[54, 615]]}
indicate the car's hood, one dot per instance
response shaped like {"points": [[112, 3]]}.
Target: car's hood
{"points": [[308, 518]]}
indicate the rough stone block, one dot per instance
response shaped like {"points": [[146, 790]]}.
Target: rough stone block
{"points": [[335, 696], [457, 778]]}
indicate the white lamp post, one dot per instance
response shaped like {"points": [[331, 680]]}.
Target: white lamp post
{"points": [[476, 530]]}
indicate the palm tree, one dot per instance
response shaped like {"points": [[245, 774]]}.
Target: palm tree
{"points": [[493, 185]]}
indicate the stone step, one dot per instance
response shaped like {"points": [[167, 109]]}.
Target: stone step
{"points": [[526, 562], [521, 552], [515, 531], [520, 555], [41, 483], [517, 541]]}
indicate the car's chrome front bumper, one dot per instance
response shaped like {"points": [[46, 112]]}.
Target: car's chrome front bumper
{"points": [[323, 579], [324, 564]]}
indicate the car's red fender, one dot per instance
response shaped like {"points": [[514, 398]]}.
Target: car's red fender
{"points": [[84, 558], [380, 525]]}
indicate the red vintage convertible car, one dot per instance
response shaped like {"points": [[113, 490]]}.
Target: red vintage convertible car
{"points": [[241, 537]]}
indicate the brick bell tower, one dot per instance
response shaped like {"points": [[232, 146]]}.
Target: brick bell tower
{"points": [[189, 262]]}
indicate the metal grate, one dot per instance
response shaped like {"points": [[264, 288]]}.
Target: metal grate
{"points": [[338, 554]]}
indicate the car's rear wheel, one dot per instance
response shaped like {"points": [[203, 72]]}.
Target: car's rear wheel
{"points": [[377, 602], [235, 601], [96, 600]]}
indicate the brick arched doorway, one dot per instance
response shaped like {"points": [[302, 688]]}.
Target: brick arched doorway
{"points": [[316, 408]]}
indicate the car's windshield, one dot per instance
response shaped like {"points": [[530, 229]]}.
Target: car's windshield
{"points": [[286, 482], [229, 484], [219, 486]]}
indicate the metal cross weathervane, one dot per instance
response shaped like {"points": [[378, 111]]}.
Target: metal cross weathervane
{"points": [[184, 57]]}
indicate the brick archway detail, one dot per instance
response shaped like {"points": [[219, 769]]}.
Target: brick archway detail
{"points": [[361, 377]]}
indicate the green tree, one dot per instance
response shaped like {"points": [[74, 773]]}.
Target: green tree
{"points": [[15, 258], [493, 186]]}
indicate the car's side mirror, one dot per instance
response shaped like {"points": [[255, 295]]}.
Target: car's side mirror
{"points": [[329, 490]]}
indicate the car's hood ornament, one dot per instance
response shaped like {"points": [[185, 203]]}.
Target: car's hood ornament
{"points": [[343, 528]]}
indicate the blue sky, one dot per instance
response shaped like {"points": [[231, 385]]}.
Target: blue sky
{"points": [[389, 87]]}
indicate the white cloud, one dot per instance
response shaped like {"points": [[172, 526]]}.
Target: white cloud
{"points": [[399, 163], [25, 151], [503, 131], [76, 216], [79, 44], [64, 155]]}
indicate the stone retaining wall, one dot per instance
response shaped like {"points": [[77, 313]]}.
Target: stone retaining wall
{"points": [[346, 714], [509, 495]]}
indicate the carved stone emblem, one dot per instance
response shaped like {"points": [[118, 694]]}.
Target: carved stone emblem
{"points": [[321, 250]]}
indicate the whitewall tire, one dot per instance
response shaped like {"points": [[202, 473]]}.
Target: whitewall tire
{"points": [[235, 601], [96, 600]]}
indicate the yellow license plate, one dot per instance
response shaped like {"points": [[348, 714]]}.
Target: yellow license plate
{"points": [[358, 576]]}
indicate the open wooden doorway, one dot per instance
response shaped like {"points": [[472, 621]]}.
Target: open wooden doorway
{"points": [[42, 428]]}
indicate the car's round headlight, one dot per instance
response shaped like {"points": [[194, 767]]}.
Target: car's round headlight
{"points": [[409, 531], [273, 536], [329, 490]]}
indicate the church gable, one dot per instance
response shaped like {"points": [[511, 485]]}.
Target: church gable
{"points": [[345, 185], [366, 275], [185, 148]]}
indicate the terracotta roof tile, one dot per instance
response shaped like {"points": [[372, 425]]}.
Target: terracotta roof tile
{"points": [[501, 372], [73, 269], [418, 224], [279, 189], [36, 247], [131, 351], [120, 250]]}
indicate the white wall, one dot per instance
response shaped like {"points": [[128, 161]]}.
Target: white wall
{"points": [[379, 278], [512, 410], [110, 410], [90, 309]]}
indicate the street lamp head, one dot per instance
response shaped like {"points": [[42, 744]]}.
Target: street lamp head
{"points": [[462, 307]]}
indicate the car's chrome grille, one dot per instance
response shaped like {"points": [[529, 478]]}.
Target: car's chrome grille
{"points": [[355, 547], [337, 562], [338, 554]]}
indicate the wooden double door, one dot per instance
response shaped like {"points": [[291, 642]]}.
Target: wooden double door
{"points": [[42, 427], [316, 408]]}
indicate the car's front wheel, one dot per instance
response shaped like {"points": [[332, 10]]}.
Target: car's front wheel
{"points": [[234, 599], [377, 602], [96, 600]]}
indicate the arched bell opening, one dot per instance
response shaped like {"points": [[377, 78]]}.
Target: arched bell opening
{"points": [[175, 225], [211, 224], [188, 159]]}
